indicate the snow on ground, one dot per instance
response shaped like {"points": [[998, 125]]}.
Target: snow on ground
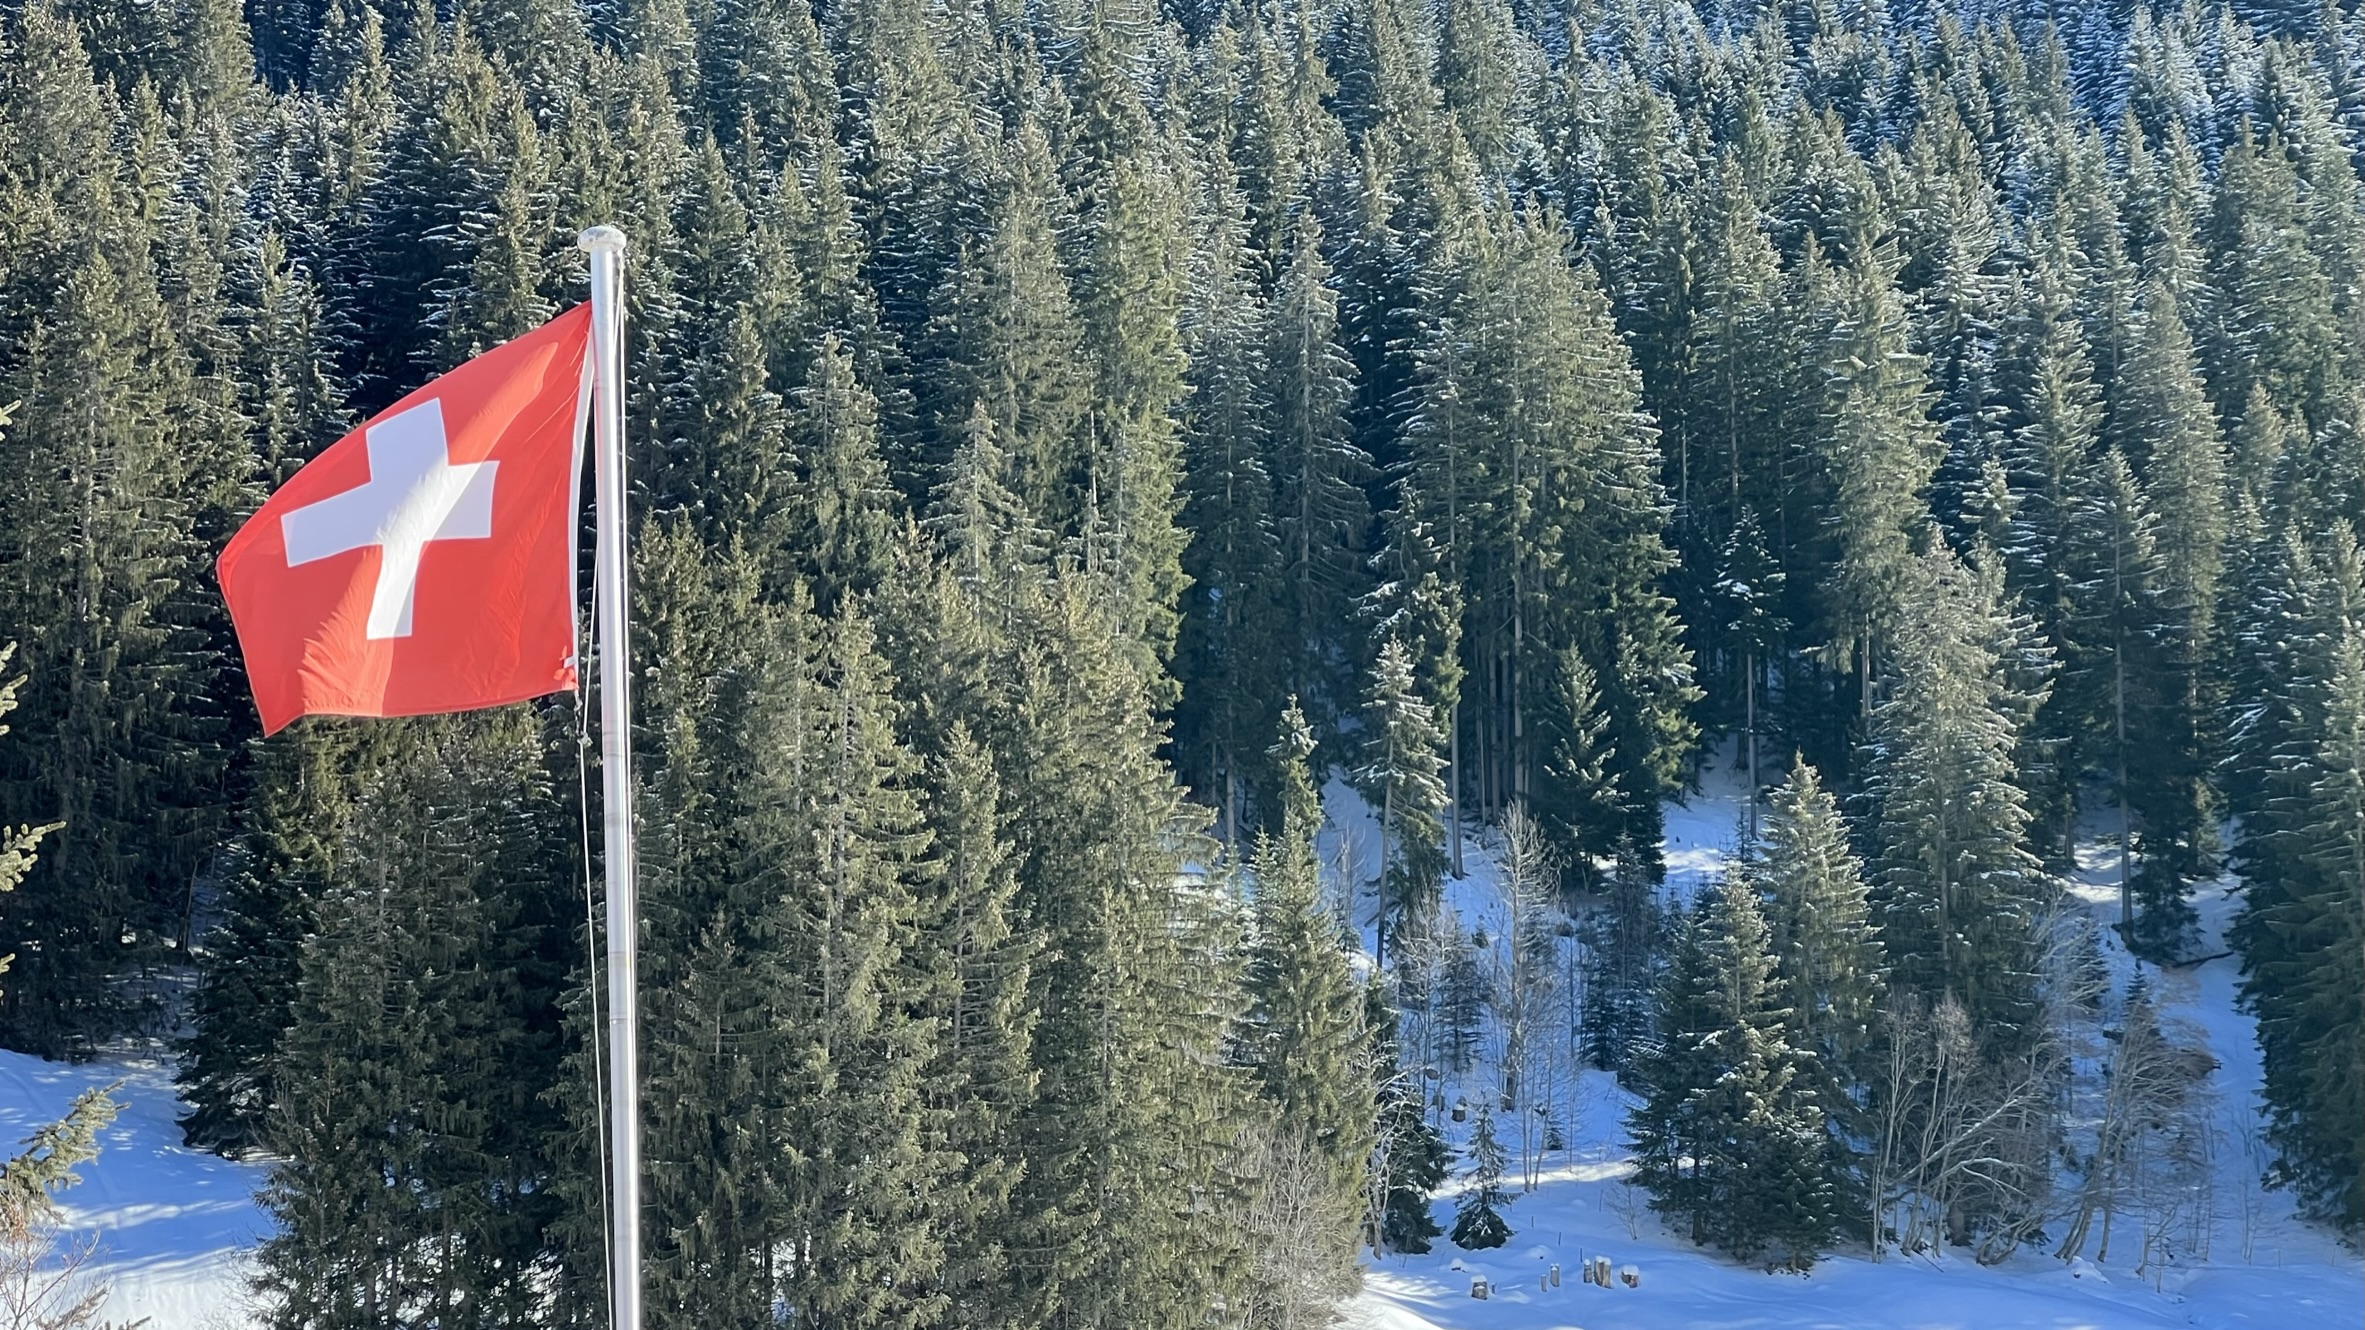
{"points": [[175, 1226], [2264, 1267], [172, 1225]]}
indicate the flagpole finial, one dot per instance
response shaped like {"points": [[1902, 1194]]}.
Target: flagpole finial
{"points": [[601, 238]]}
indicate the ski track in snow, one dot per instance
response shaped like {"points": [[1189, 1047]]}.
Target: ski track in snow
{"points": [[175, 1227]]}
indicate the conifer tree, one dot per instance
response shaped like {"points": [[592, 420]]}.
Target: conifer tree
{"points": [[412, 1124], [101, 568], [2276, 327], [1829, 961], [1529, 367], [971, 965], [29, 1181], [856, 1166], [1306, 1037], [1411, 1158], [1478, 1222], [848, 509], [1957, 890], [1400, 774], [1317, 471], [1729, 1137], [1230, 651], [1732, 396], [1623, 944], [1881, 449], [2173, 441], [18, 843], [2299, 924], [1004, 334], [2048, 461]]}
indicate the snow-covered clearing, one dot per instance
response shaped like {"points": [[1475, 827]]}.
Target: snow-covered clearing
{"points": [[2263, 1267], [172, 1225], [175, 1226]]}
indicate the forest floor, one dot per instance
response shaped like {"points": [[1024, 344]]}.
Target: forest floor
{"points": [[174, 1228]]}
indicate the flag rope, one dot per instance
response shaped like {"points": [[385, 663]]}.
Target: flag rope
{"points": [[599, 1085]]}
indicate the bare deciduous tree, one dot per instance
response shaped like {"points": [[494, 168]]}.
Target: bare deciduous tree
{"points": [[1297, 1276]]}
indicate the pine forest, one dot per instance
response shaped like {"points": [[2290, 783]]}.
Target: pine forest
{"points": [[1079, 447]]}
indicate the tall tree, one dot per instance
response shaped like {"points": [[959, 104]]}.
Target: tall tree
{"points": [[1828, 956], [1400, 773], [1306, 1039], [1318, 474], [1729, 1137], [1957, 889]]}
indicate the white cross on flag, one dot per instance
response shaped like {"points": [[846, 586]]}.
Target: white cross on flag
{"points": [[425, 562]]}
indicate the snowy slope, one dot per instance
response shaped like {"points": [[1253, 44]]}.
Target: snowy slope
{"points": [[175, 1225], [2287, 1275], [171, 1224]]}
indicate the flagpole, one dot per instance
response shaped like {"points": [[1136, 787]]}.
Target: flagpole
{"points": [[605, 244]]}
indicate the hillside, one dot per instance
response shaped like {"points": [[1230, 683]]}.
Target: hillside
{"points": [[2248, 1260], [174, 1225]]}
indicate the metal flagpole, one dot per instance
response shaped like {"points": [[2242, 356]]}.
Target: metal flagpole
{"points": [[605, 244]]}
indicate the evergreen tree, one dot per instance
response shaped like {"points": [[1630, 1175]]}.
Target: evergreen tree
{"points": [[1829, 961], [2111, 557], [1306, 1038], [1411, 1159], [1400, 774], [1881, 449], [30, 1180], [1558, 553], [1478, 1222], [1317, 472], [848, 509], [971, 965], [1956, 888], [2299, 924], [1729, 1137], [1230, 652], [101, 567], [1622, 954], [2182, 462], [411, 1123]]}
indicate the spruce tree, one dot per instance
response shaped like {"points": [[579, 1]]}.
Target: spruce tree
{"points": [[1317, 472], [1729, 1137], [1411, 1159], [1400, 773], [1829, 960], [29, 1181], [2175, 444], [102, 569], [848, 511], [1623, 943], [1957, 890], [2299, 924], [1881, 448], [1231, 653], [971, 961], [414, 1123], [1306, 1038], [1478, 1222]]}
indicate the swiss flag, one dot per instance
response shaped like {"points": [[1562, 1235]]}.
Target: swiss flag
{"points": [[425, 562]]}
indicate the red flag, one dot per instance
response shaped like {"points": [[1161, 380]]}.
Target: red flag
{"points": [[425, 562]]}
